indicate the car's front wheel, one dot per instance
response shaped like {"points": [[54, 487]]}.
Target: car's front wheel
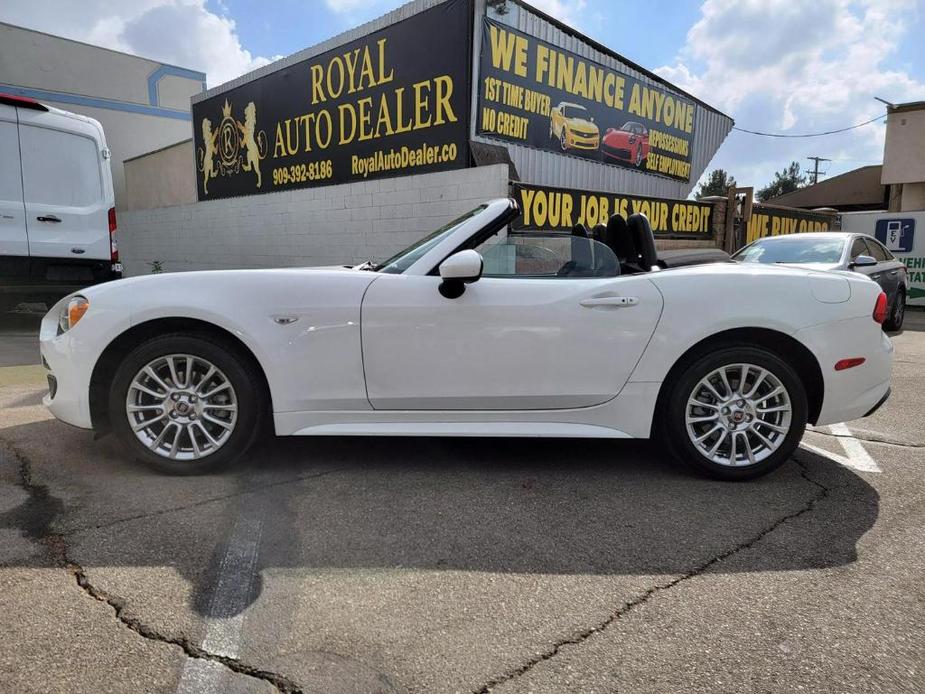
{"points": [[186, 404], [736, 413]]}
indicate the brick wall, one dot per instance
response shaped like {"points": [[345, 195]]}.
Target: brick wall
{"points": [[332, 225]]}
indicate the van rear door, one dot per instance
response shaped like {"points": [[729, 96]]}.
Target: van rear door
{"points": [[14, 244], [67, 192]]}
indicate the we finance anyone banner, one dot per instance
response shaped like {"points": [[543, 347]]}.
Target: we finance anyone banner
{"points": [[392, 103], [538, 95]]}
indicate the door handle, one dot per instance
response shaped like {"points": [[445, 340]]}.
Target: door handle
{"points": [[48, 218], [609, 301]]}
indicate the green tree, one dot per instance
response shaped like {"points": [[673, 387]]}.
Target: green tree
{"points": [[717, 183], [785, 181]]}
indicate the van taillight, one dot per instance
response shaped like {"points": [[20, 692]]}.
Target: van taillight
{"points": [[113, 244], [880, 308]]}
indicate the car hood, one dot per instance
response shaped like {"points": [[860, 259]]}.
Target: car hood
{"points": [[823, 267], [203, 278], [582, 126]]}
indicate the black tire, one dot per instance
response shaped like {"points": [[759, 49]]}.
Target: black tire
{"points": [[672, 427], [252, 401], [897, 312]]}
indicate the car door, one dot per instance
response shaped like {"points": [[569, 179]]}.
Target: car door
{"points": [[14, 243], [859, 247], [888, 268], [512, 341], [66, 201]]}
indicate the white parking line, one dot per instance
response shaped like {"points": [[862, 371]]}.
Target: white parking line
{"points": [[232, 588], [856, 456]]}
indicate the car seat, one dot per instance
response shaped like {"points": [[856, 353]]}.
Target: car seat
{"points": [[644, 240], [580, 230]]}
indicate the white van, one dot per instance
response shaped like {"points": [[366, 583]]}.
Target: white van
{"points": [[57, 209]]}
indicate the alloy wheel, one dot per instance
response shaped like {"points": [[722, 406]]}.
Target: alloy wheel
{"points": [[738, 415], [899, 309], [181, 407]]}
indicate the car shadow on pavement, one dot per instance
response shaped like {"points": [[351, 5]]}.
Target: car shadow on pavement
{"points": [[527, 506]]}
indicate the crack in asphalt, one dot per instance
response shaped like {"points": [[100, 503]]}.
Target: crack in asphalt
{"points": [[869, 439], [578, 638], [56, 546], [202, 502]]}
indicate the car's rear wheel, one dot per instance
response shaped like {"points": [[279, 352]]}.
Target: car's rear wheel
{"points": [[186, 404], [736, 413], [897, 314]]}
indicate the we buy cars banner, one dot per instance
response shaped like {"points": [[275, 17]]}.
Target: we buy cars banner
{"points": [[767, 220], [539, 95], [545, 208]]}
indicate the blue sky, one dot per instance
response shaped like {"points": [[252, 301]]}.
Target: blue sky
{"points": [[790, 66]]}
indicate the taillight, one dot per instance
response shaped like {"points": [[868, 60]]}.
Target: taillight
{"points": [[880, 308], [113, 244]]}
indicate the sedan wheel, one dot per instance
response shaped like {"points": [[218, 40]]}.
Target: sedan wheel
{"points": [[736, 413], [898, 314], [563, 139], [186, 404]]}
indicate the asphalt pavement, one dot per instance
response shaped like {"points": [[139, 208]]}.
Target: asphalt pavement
{"points": [[448, 565]]}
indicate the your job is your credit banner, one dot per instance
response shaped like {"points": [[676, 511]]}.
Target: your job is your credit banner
{"points": [[542, 96]]}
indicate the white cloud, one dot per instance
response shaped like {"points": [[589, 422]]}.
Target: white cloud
{"points": [[784, 66], [566, 11], [345, 5], [180, 32]]}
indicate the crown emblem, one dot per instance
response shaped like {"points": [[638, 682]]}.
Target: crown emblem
{"points": [[226, 110]]}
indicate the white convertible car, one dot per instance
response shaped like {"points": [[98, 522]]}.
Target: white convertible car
{"points": [[475, 332]]}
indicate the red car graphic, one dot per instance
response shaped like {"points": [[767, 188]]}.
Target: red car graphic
{"points": [[629, 143]]}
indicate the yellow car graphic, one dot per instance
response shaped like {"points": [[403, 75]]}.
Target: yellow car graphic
{"points": [[573, 127]]}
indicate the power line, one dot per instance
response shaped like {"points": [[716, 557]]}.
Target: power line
{"points": [[827, 132]]}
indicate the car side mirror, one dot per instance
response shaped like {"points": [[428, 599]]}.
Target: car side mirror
{"points": [[459, 270], [862, 261]]}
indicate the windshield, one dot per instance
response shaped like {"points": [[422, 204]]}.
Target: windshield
{"points": [[574, 112], [792, 250], [401, 261]]}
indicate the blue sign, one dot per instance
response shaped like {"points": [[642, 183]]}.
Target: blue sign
{"points": [[896, 234]]}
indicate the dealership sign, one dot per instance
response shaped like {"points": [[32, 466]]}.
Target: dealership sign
{"points": [[559, 209], [392, 103], [777, 221], [539, 95]]}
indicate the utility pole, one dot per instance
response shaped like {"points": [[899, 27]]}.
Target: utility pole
{"points": [[816, 170]]}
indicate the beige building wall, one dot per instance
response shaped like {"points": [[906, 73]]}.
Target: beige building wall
{"points": [[913, 195], [163, 178], [142, 104], [904, 150]]}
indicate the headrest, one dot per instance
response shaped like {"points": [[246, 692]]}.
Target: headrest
{"points": [[599, 233], [619, 239], [580, 230], [644, 240]]}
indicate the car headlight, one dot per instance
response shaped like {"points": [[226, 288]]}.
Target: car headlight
{"points": [[71, 313]]}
